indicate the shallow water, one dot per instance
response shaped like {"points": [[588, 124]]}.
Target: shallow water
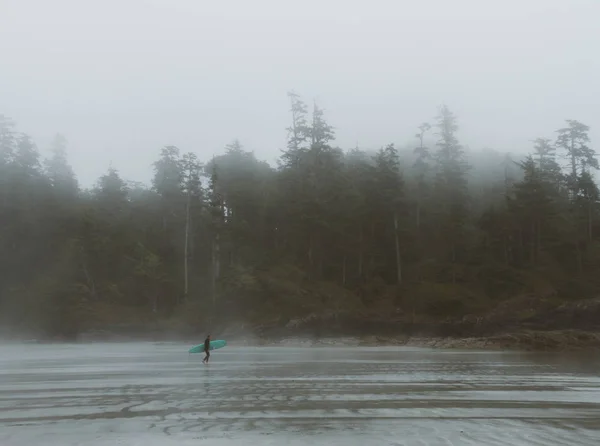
{"points": [[155, 394]]}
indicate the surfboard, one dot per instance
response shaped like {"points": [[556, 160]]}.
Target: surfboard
{"points": [[213, 346]]}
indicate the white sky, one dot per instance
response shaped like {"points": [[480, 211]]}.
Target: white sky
{"points": [[120, 79]]}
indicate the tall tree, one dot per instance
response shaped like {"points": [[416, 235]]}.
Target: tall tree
{"points": [[298, 132], [451, 184], [59, 171], [574, 140], [390, 186], [545, 152], [217, 221], [7, 149], [7, 139], [111, 191], [422, 169], [192, 187]]}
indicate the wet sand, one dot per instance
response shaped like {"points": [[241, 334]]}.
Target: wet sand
{"points": [[155, 394]]}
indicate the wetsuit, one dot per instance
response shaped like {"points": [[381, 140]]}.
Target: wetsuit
{"points": [[206, 350]]}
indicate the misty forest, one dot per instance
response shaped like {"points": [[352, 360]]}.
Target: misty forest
{"points": [[427, 233]]}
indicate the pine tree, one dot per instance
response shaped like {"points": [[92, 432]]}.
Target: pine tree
{"points": [[59, 171], [451, 190]]}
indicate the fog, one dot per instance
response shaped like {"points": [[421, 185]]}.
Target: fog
{"points": [[121, 79]]}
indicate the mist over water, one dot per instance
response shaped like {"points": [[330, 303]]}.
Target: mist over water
{"points": [[155, 394]]}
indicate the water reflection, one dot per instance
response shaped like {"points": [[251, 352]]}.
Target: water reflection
{"points": [[345, 395]]}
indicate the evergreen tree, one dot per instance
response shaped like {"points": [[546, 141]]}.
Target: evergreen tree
{"points": [[419, 236], [451, 190], [60, 173]]}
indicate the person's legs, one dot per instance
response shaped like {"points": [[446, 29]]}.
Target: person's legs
{"points": [[207, 357]]}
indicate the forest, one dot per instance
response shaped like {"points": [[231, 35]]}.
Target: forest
{"points": [[401, 234]]}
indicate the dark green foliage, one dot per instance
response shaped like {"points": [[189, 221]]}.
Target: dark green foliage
{"points": [[442, 235]]}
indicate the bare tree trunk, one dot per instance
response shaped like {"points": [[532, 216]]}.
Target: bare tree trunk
{"points": [[579, 256], [90, 280], [360, 253], [215, 267], [532, 244], [418, 268], [538, 238], [310, 253], [578, 248], [88, 276], [453, 263], [218, 256], [185, 248], [573, 160], [521, 245], [398, 260], [213, 279], [372, 257], [263, 221], [590, 226], [192, 240]]}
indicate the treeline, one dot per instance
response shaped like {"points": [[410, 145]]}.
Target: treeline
{"points": [[419, 233]]}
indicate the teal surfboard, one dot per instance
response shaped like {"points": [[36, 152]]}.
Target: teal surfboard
{"points": [[213, 346]]}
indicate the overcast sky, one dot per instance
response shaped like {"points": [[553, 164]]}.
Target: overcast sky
{"points": [[121, 78]]}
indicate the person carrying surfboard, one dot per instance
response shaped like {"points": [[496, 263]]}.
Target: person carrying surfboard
{"points": [[206, 349]]}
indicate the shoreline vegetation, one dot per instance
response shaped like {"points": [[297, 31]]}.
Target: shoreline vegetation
{"points": [[553, 327], [542, 341], [427, 243], [566, 340]]}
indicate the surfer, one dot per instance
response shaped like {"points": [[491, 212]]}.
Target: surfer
{"points": [[206, 349]]}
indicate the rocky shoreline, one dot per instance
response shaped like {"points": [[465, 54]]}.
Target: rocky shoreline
{"points": [[563, 340], [556, 341], [559, 340], [525, 323]]}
